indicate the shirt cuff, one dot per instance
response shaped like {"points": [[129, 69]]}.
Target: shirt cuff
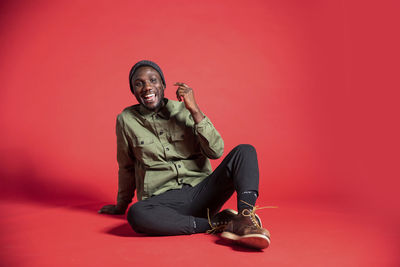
{"points": [[204, 123]]}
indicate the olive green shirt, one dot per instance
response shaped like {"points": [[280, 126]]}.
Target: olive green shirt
{"points": [[160, 151]]}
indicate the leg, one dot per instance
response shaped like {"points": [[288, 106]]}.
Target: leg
{"points": [[164, 214], [237, 172], [184, 211]]}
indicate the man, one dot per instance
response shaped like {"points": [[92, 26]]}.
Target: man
{"points": [[163, 152]]}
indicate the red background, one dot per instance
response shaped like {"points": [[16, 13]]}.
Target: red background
{"points": [[311, 84]]}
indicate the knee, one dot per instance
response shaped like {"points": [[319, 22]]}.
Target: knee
{"points": [[245, 149], [137, 216]]}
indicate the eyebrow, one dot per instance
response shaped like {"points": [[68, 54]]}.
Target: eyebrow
{"points": [[152, 76]]}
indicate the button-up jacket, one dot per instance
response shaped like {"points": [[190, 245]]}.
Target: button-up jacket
{"points": [[159, 151]]}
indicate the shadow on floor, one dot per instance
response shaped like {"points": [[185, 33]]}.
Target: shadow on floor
{"points": [[27, 185], [223, 242], [123, 230]]}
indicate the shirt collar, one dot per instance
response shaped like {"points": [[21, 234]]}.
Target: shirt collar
{"points": [[164, 112]]}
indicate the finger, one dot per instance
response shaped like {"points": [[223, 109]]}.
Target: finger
{"points": [[180, 90], [106, 208], [183, 90], [178, 96], [180, 84], [182, 94], [103, 210]]}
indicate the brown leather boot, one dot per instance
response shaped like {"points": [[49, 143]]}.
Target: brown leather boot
{"points": [[220, 220], [245, 230]]}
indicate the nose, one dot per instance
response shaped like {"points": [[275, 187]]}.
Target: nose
{"points": [[147, 85]]}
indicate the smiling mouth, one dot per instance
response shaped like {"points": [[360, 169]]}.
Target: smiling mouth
{"points": [[149, 98]]}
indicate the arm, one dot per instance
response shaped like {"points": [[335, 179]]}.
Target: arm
{"points": [[211, 141], [126, 178]]}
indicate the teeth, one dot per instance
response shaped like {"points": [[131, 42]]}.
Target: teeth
{"points": [[150, 95]]}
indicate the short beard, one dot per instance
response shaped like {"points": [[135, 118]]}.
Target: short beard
{"points": [[159, 105]]}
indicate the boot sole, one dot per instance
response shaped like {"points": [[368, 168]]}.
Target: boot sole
{"points": [[253, 240]]}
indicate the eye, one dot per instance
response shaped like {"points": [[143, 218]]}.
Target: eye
{"points": [[138, 84], [153, 80]]}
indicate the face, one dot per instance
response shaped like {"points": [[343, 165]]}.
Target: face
{"points": [[148, 88]]}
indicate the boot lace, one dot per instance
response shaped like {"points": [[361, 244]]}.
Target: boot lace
{"points": [[252, 214], [217, 227]]}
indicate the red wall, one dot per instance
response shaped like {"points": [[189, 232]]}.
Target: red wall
{"points": [[311, 84]]}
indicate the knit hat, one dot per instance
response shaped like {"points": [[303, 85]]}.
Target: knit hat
{"points": [[141, 64]]}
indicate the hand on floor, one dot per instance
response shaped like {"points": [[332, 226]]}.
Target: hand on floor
{"points": [[112, 209]]}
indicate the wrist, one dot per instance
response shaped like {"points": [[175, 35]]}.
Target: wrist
{"points": [[194, 109], [197, 115]]}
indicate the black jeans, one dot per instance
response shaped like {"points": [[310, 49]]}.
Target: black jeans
{"points": [[174, 212]]}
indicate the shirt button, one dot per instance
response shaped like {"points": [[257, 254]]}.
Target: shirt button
{"points": [[161, 132], [167, 149], [179, 166], [142, 142], [181, 180]]}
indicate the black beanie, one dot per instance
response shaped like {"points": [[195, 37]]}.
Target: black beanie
{"points": [[141, 64]]}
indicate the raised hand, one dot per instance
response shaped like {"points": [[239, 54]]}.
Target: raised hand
{"points": [[185, 93]]}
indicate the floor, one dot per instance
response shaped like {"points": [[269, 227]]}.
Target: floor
{"points": [[38, 234]]}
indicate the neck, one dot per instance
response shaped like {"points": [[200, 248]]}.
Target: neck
{"points": [[160, 106]]}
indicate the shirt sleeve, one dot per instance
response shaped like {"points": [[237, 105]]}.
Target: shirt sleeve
{"points": [[211, 141], [126, 167]]}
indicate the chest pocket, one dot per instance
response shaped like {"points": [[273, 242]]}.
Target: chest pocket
{"points": [[178, 136], [145, 150], [183, 143]]}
